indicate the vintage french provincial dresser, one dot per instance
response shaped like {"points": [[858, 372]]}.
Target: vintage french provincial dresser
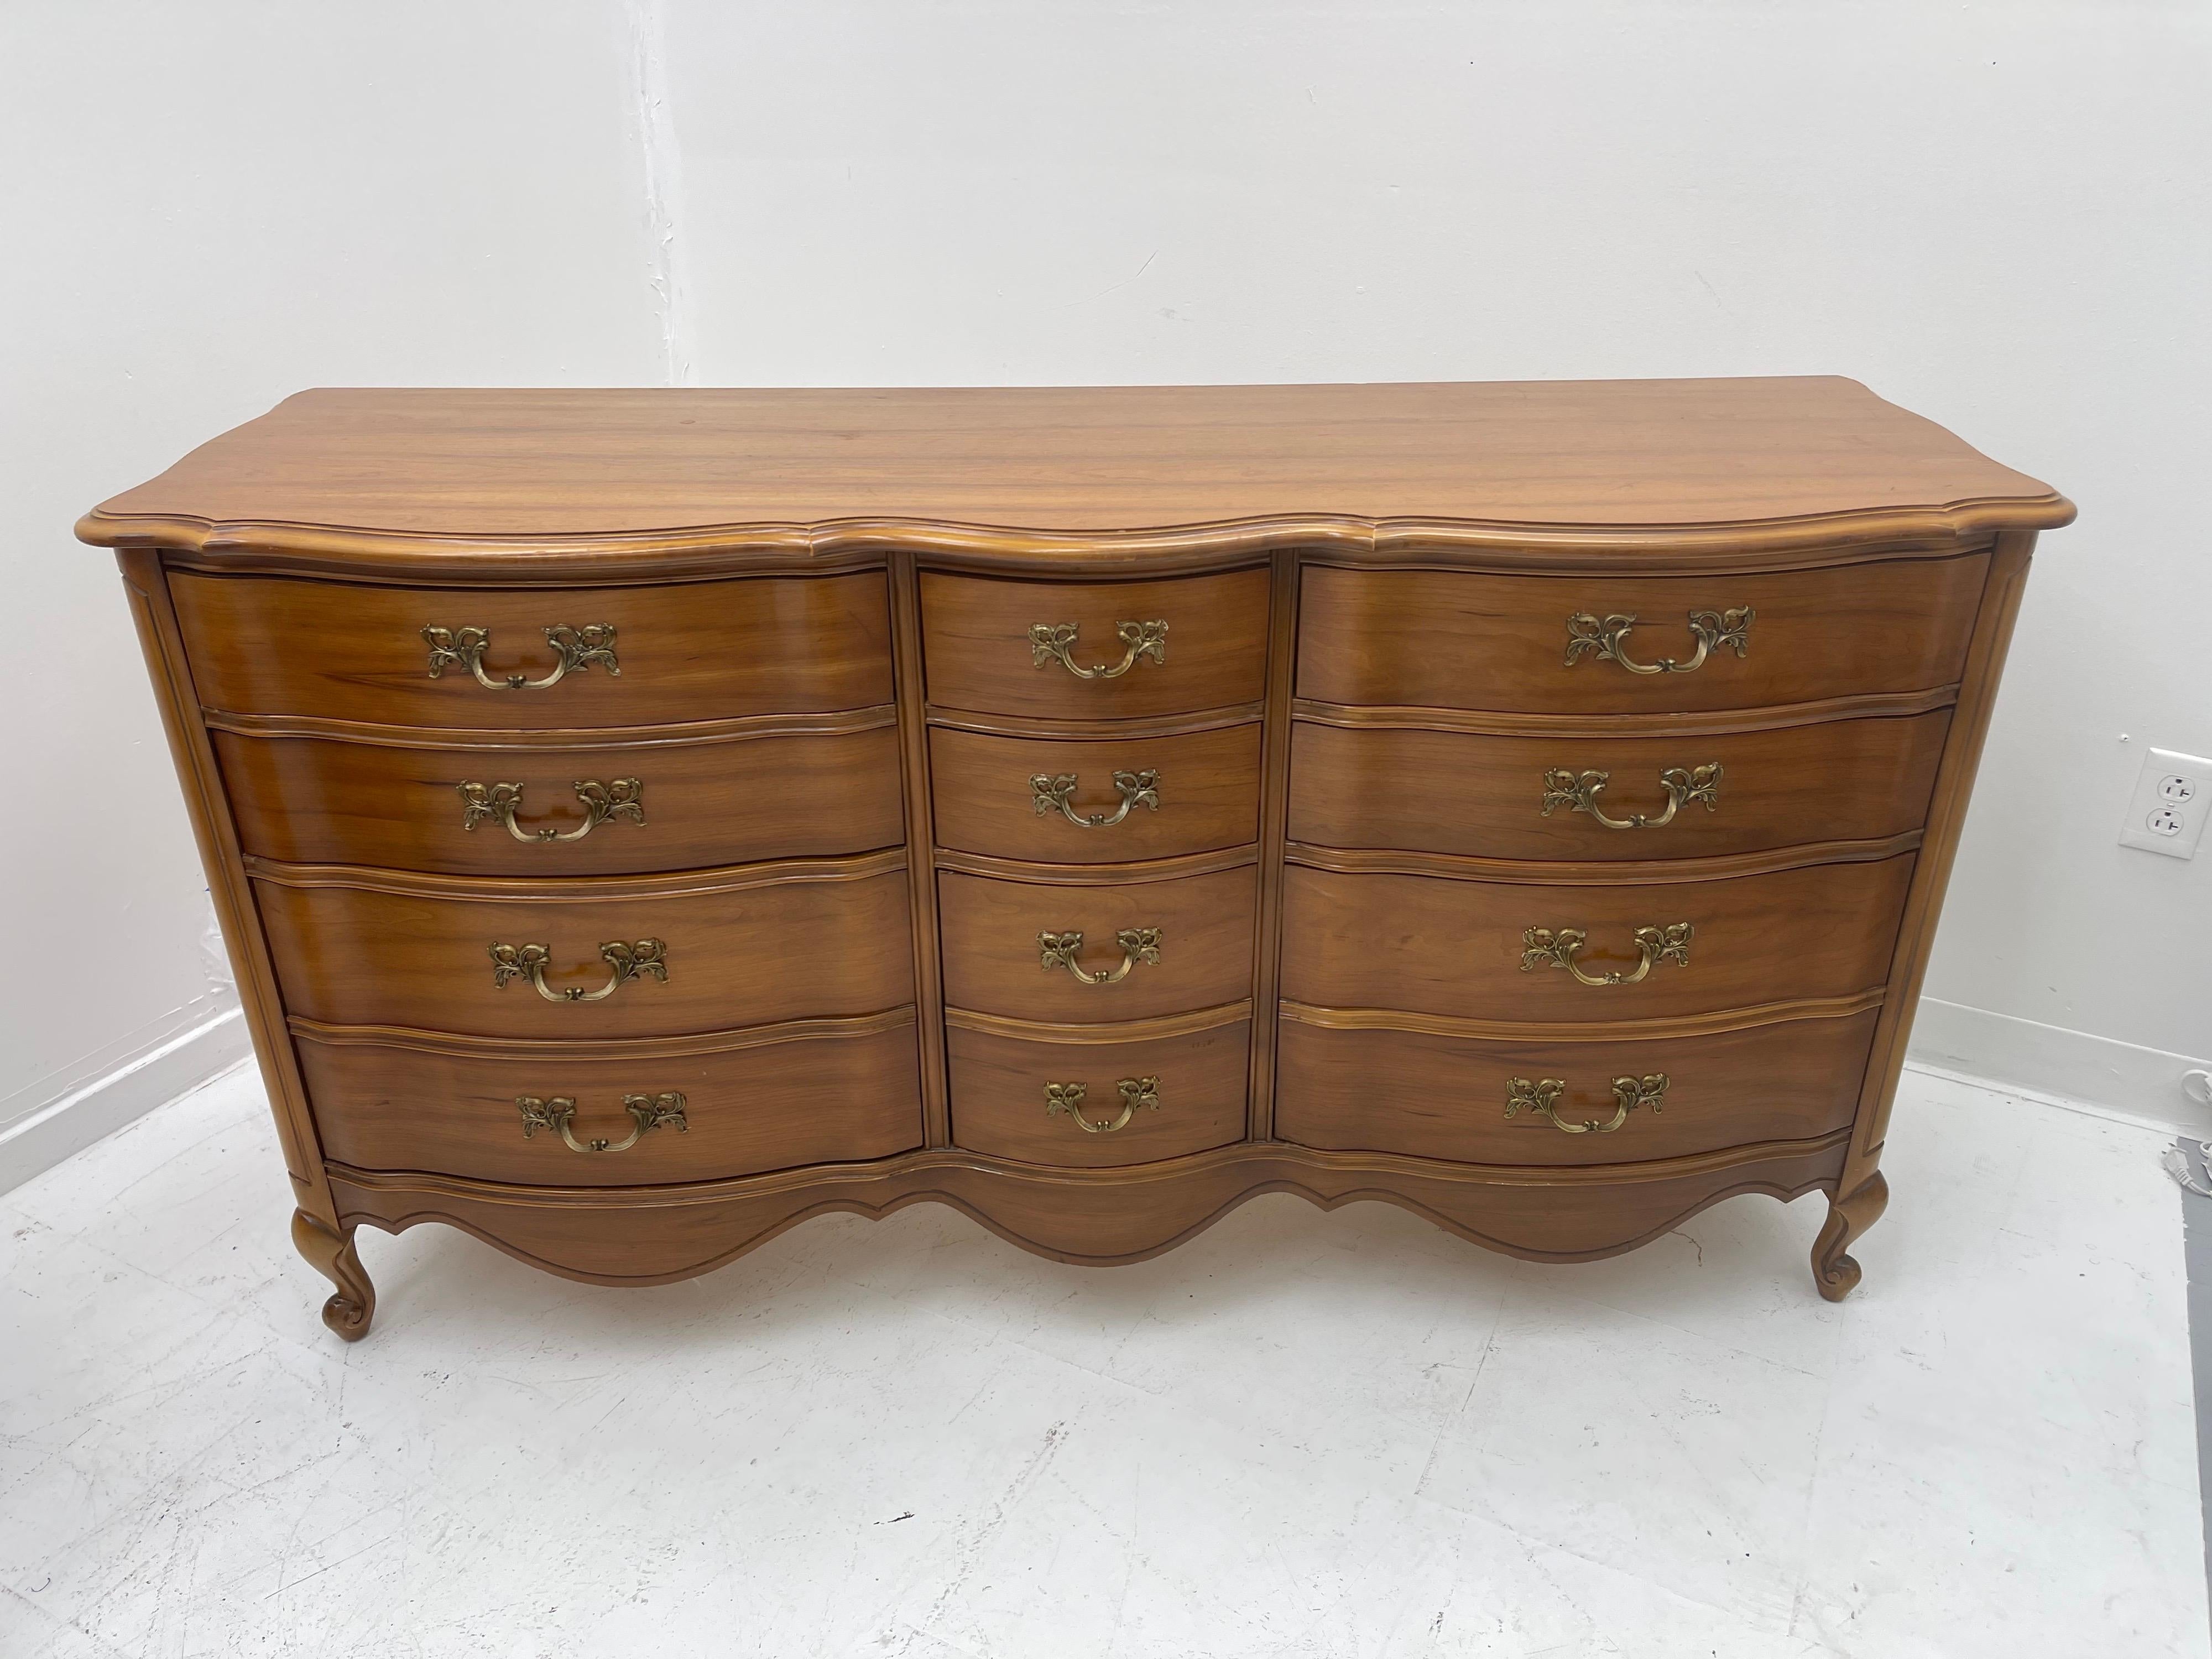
{"points": [[644, 819]]}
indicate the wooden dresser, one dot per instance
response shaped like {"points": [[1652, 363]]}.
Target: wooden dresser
{"points": [[642, 820]]}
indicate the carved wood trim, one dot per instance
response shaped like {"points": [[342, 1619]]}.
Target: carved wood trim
{"points": [[1162, 726], [1717, 723], [1619, 1030], [910, 686], [617, 736], [576, 890], [1096, 875], [1460, 866], [1126, 1030], [640, 1048]]}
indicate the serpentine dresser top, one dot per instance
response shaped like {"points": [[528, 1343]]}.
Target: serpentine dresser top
{"points": [[641, 820]]}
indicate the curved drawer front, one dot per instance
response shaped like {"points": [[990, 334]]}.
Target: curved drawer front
{"points": [[1460, 639], [494, 1113], [1090, 650], [1463, 948], [700, 651], [1387, 1090], [527, 809], [1574, 799], [1169, 1095], [1080, 953], [757, 955], [1152, 797]]}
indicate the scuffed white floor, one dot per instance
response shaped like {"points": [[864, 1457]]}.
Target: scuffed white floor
{"points": [[1301, 1435]]}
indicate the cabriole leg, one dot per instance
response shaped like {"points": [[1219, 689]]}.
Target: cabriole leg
{"points": [[1849, 1216], [331, 1254]]}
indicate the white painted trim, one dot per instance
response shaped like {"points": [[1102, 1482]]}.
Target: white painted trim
{"points": [[35, 1144], [2053, 1064]]}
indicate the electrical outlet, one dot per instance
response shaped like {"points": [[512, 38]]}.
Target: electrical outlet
{"points": [[2166, 812]]}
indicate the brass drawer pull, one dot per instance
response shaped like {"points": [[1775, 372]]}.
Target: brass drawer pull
{"points": [[1138, 945], [1578, 792], [1050, 643], [1543, 948], [1135, 788], [1068, 1097], [559, 1113], [1713, 629], [647, 956], [602, 801], [578, 648], [1543, 1095]]}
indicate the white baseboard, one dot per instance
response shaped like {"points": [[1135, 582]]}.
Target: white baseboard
{"points": [[37, 1142], [2051, 1062]]}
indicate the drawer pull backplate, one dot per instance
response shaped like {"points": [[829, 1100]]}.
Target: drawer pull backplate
{"points": [[1541, 947], [625, 961], [1068, 1097], [1543, 1095], [647, 1112], [1051, 642], [576, 649], [1578, 792], [1059, 951], [602, 801], [1050, 793], [1713, 629]]}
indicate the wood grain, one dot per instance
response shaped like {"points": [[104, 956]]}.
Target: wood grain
{"points": [[834, 1092], [1209, 795], [1458, 793], [1445, 1097], [1457, 639], [1455, 947], [992, 960], [321, 801], [976, 633], [693, 652]]}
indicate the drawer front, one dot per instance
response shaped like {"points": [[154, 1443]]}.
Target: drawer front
{"points": [[1422, 944], [1026, 949], [694, 652], [755, 955], [529, 810], [1578, 798], [1002, 1104], [776, 1105], [1077, 650], [1437, 1096], [1159, 797], [1459, 640]]}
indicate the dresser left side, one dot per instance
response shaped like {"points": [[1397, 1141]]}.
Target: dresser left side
{"points": [[578, 894]]}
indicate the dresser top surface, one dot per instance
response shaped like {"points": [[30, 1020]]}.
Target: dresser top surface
{"points": [[607, 465]]}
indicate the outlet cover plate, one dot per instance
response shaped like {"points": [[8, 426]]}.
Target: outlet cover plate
{"points": [[2172, 796]]}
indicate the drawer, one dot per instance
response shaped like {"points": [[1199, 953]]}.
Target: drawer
{"points": [[1088, 650], [1383, 1091], [1574, 799], [1148, 947], [1003, 1086], [1158, 797], [696, 651], [1460, 640], [488, 809], [750, 1102], [1425, 945], [420, 953]]}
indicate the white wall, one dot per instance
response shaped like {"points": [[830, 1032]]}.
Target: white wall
{"points": [[1995, 214]]}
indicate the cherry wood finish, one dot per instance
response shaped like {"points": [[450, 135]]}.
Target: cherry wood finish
{"points": [[825, 1091], [1209, 794], [1455, 639], [1483, 795], [750, 947], [1367, 591], [695, 651], [993, 963], [999, 1103], [1213, 655], [1430, 1095], [387, 796]]}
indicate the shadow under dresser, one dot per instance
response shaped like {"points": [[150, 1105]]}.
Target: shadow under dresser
{"points": [[642, 820]]}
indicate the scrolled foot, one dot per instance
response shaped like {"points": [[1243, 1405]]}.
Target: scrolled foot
{"points": [[331, 1253], [1836, 1273]]}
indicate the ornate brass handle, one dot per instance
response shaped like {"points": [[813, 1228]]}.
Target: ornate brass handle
{"points": [[1136, 789], [1052, 642], [1138, 945], [1543, 1095], [602, 801], [646, 955], [1713, 629], [1578, 792], [1543, 948], [1068, 1097], [559, 1113], [577, 649]]}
